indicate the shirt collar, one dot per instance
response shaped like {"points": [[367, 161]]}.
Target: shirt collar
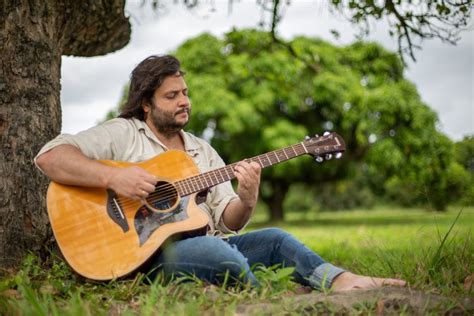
{"points": [[190, 145]]}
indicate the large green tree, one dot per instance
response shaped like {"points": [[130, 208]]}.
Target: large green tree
{"points": [[253, 96], [34, 36]]}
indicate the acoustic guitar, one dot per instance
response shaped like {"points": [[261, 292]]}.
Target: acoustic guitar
{"points": [[104, 236]]}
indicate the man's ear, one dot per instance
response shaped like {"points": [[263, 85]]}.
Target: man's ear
{"points": [[146, 109], [146, 106]]}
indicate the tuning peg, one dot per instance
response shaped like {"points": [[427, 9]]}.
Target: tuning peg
{"points": [[326, 133], [328, 157], [307, 137], [338, 155], [319, 159]]}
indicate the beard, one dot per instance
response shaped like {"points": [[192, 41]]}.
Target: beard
{"points": [[165, 121]]}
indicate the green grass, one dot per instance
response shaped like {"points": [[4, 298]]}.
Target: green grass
{"points": [[424, 248], [405, 243]]}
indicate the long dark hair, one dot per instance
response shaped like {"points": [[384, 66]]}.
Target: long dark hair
{"points": [[145, 79]]}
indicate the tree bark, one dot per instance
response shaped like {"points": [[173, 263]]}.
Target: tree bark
{"points": [[34, 35]]}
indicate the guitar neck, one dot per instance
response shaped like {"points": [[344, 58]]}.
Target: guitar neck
{"points": [[214, 177]]}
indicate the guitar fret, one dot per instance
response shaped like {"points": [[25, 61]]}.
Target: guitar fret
{"points": [[218, 176], [280, 156], [190, 185], [202, 185], [227, 170], [268, 159], [204, 180], [305, 149], [186, 184], [229, 174], [276, 156], [225, 176], [222, 176], [194, 184], [213, 179], [205, 177], [180, 188], [293, 147], [214, 174]]}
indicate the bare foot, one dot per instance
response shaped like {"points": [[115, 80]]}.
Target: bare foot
{"points": [[348, 281]]}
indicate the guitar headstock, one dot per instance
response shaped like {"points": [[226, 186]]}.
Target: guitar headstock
{"points": [[324, 147]]}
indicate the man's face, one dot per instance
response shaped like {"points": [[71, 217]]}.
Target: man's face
{"points": [[170, 109]]}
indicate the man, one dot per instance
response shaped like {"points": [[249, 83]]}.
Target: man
{"points": [[152, 122]]}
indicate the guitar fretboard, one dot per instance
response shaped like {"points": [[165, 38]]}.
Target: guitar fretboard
{"points": [[212, 178]]}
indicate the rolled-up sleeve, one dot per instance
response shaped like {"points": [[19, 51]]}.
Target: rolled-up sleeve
{"points": [[96, 142]]}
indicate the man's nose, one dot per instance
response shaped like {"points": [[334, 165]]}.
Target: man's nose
{"points": [[183, 100]]}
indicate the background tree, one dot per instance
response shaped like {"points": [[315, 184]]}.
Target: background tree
{"points": [[251, 92], [461, 180], [34, 36], [410, 21]]}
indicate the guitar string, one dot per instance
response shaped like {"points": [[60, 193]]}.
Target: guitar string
{"points": [[168, 191], [157, 196], [192, 182], [171, 189]]}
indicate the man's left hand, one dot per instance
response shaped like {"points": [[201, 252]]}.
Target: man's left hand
{"points": [[248, 175]]}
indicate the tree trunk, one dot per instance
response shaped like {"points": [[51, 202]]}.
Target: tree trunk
{"points": [[34, 36], [29, 116], [275, 201]]}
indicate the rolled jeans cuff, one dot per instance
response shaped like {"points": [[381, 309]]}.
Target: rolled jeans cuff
{"points": [[323, 276]]}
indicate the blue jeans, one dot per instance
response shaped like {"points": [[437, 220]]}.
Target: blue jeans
{"points": [[211, 258]]}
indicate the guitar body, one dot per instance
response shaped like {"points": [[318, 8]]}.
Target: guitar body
{"points": [[104, 236]]}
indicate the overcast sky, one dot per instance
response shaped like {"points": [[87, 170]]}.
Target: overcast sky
{"points": [[91, 87]]}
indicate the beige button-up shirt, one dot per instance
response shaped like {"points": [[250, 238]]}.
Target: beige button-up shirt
{"points": [[132, 140]]}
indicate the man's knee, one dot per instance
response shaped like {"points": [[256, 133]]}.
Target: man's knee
{"points": [[275, 233], [214, 251]]}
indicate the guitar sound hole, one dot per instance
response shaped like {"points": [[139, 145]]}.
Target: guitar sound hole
{"points": [[164, 197]]}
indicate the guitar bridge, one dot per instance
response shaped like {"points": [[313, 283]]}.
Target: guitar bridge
{"points": [[115, 212]]}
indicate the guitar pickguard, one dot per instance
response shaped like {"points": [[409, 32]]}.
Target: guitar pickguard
{"points": [[147, 221]]}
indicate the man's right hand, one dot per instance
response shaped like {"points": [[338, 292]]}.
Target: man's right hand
{"points": [[132, 182]]}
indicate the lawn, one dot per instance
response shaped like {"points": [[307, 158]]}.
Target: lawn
{"points": [[422, 247], [406, 243]]}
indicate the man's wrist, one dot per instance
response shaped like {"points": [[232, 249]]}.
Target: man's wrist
{"points": [[247, 207], [106, 177]]}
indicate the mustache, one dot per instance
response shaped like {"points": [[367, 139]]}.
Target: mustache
{"points": [[186, 110]]}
